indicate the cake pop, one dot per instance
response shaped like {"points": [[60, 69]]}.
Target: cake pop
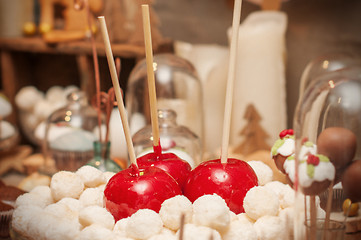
{"points": [[351, 181], [283, 148]]}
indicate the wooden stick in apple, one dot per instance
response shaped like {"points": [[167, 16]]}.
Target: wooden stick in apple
{"points": [[117, 91], [230, 79], [178, 168], [150, 75]]}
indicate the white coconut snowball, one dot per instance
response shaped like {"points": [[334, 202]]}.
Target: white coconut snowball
{"points": [[263, 171], [23, 215], [61, 210], [66, 184], [44, 192], [43, 109], [91, 197], [5, 107], [287, 216], [32, 199], [91, 176], [284, 192], [121, 226], [233, 216], [95, 232], [165, 234], [240, 230], [211, 211], [144, 224], [108, 176], [96, 215], [260, 201], [195, 232], [7, 130], [27, 98], [172, 210], [270, 228], [243, 217], [55, 94], [72, 203], [116, 236]]}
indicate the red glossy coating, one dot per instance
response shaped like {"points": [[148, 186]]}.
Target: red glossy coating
{"points": [[178, 168], [230, 180], [130, 190]]}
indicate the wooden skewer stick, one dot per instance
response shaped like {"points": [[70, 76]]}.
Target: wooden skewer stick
{"points": [[117, 91], [328, 209], [150, 74], [230, 79]]}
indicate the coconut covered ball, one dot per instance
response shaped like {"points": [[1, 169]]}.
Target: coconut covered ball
{"points": [[240, 230], [91, 197], [263, 171], [260, 201], [66, 184], [96, 215], [32, 199], [172, 210], [211, 211], [23, 215], [144, 224], [165, 234], [91, 176], [27, 98], [95, 232], [5, 106], [195, 232], [270, 228]]}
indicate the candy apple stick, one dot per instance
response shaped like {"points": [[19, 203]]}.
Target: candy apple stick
{"points": [[150, 74], [118, 94], [230, 79]]}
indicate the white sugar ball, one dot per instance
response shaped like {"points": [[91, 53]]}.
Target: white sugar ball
{"points": [[243, 217], [72, 203], [32, 199], [55, 94], [144, 224], [260, 201], [63, 229], [108, 175], [62, 210], [165, 234], [270, 228], [27, 98], [211, 211], [5, 106], [91, 176], [96, 215], [286, 215], [95, 232], [44, 192], [121, 226], [172, 210], [92, 196], [263, 171], [23, 215], [195, 232], [7, 130], [66, 184], [43, 109], [240, 230]]}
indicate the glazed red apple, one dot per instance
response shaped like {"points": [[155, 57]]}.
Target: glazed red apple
{"points": [[130, 190], [178, 168], [230, 180]]}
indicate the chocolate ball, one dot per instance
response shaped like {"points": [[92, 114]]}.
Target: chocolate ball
{"points": [[338, 144], [351, 181]]}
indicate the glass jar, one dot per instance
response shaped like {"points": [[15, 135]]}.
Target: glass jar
{"points": [[70, 133], [173, 138], [101, 159], [177, 87], [325, 169]]}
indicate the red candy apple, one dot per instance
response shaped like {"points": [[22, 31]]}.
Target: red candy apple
{"points": [[131, 189], [230, 180], [178, 168]]}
